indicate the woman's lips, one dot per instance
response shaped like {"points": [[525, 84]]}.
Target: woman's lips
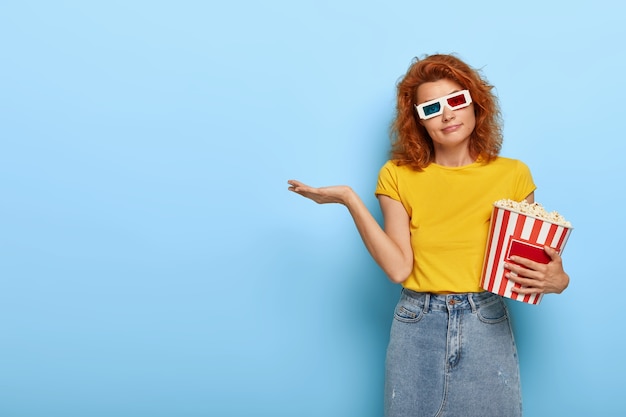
{"points": [[450, 129]]}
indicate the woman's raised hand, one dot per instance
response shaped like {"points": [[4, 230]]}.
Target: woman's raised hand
{"points": [[333, 194]]}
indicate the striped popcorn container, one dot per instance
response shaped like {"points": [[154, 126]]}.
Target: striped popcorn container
{"points": [[512, 232]]}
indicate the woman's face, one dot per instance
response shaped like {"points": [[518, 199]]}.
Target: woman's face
{"points": [[452, 128]]}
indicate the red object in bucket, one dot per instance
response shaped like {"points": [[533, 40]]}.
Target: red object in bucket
{"points": [[514, 233]]}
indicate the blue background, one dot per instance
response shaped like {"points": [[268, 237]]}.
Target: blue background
{"points": [[152, 261]]}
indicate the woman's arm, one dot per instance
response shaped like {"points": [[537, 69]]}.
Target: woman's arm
{"points": [[535, 277], [391, 247], [538, 278]]}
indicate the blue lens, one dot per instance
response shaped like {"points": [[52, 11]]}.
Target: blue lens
{"points": [[432, 109]]}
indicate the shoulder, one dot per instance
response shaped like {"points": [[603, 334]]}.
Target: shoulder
{"points": [[393, 166], [389, 168], [508, 163], [392, 175]]}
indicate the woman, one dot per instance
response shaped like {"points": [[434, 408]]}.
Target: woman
{"points": [[451, 350]]}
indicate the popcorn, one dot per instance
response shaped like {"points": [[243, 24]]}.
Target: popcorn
{"points": [[520, 229], [534, 210]]}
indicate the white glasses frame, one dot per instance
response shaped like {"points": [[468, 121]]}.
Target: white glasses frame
{"points": [[443, 101]]}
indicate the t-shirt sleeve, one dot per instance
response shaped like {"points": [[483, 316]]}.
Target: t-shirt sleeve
{"points": [[388, 181], [525, 184]]}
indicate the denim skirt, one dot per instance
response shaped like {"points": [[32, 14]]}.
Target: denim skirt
{"points": [[451, 355]]}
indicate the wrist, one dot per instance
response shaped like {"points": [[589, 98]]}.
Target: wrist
{"points": [[349, 198]]}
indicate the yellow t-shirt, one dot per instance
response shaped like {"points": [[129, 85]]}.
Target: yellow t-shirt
{"points": [[449, 210]]}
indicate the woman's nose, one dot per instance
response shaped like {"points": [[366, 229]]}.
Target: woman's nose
{"points": [[448, 114]]}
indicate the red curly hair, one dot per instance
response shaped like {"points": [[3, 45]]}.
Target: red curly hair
{"points": [[411, 144]]}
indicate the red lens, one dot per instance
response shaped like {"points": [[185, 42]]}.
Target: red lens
{"points": [[457, 100]]}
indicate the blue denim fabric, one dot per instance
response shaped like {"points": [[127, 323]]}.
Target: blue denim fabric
{"points": [[451, 356]]}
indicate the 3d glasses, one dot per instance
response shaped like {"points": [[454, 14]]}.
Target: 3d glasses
{"points": [[434, 107]]}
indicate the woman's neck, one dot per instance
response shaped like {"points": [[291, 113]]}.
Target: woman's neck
{"points": [[454, 159]]}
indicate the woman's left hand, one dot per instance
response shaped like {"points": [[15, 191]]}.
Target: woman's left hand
{"points": [[538, 278]]}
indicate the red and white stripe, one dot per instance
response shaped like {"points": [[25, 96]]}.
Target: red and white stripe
{"points": [[507, 225]]}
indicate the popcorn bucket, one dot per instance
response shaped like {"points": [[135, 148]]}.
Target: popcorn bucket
{"points": [[514, 233]]}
